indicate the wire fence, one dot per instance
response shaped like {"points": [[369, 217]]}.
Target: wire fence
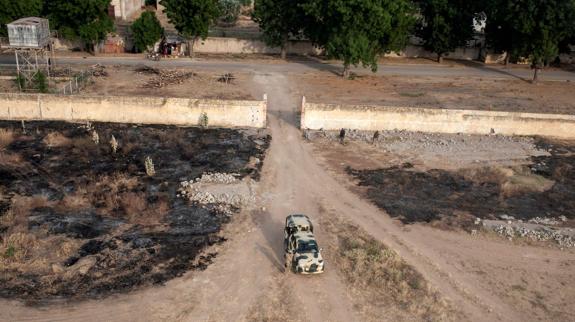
{"points": [[76, 83]]}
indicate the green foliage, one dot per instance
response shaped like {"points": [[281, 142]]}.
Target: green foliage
{"points": [[358, 31], [445, 24], [279, 20], [150, 3], [11, 10], [10, 252], [230, 11], [530, 28], [41, 82], [84, 19], [246, 3], [147, 30], [21, 82], [192, 18]]}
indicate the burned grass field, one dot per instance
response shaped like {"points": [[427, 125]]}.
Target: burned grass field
{"points": [[91, 209], [543, 188]]}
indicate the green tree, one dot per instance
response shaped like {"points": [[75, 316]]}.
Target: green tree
{"points": [[445, 25], [230, 11], [358, 31], [147, 30], [532, 29], [87, 20], [11, 10], [279, 20], [192, 18], [500, 34]]}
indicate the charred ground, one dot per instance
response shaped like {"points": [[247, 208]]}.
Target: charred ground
{"points": [[545, 188], [78, 219]]}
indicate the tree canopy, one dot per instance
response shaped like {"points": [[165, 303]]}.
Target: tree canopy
{"points": [[192, 18], [445, 25], [532, 29], [358, 31], [84, 19], [279, 20], [147, 30], [11, 10]]}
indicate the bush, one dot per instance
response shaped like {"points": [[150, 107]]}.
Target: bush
{"points": [[204, 120], [147, 30], [41, 82], [230, 11]]}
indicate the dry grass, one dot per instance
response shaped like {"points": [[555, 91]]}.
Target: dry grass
{"points": [[56, 139], [20, 210], [6, 137], [75, 201], [513, 181], [10, 160], [16, 246], [139, 211], [384, 285]]}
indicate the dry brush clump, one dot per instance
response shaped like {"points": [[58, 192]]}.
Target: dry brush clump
{"points": [[6, 137], [384, 285], [55, 139]]}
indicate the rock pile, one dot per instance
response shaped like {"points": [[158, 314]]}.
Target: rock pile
{"points": [[218, 188], [538, 234]]}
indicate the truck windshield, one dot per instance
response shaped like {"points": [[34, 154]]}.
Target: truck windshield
{"points": [[305, 247]]}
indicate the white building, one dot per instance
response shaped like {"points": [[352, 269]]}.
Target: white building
{"points": [[124, 9]]}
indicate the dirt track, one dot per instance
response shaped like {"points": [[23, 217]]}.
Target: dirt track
{"points": [[247, 281]]}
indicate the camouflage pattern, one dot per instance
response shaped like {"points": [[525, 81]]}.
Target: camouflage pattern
{"points": [[302, 253]]}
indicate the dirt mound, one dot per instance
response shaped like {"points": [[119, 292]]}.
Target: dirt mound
{"points": [[79, 216]]}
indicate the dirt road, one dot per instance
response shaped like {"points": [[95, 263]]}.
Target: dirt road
{"points": [[247, 282], [305, 65]]}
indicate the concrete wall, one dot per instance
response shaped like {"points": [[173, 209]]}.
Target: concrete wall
{"points": [[372, 118], [228, 45], [124, 109], [221, 45]]}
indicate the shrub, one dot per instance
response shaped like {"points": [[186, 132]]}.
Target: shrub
{"points": [[204, 119], [230, 11], [147, 31], [149, 164], [114, 144], [41, 82]]}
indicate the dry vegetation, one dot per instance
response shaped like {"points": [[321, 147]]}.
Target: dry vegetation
{"points": [[175, 83], [78, 219], [384, 287], [438, 92]]}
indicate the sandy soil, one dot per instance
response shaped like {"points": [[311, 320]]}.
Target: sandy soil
{"points": [[123, 80], [438, 92], [474, 277], [128, 81], [535, 280]]}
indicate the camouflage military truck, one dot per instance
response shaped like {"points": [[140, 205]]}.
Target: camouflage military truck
{"points": [[302, 254]]}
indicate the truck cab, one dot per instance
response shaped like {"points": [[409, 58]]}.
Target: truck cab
{"points": [[302, 253]]}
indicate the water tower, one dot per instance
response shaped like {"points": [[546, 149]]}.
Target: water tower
{"points": [[30, 39]]}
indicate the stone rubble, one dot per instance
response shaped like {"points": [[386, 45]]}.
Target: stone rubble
{"points": [[536, 229], [219, 189]]}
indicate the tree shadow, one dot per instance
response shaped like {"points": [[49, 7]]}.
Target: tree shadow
{"points": [[316, 63], [482, 67]]}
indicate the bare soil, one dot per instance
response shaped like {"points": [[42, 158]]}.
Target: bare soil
{"points": [[413, 177], [438, 92], [78, 219], [181, 82]]}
